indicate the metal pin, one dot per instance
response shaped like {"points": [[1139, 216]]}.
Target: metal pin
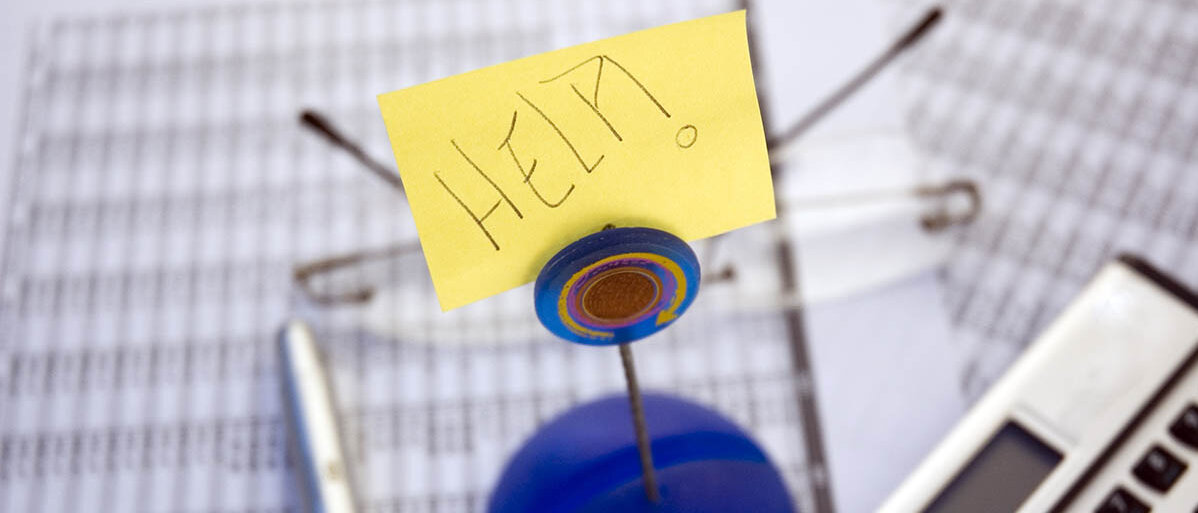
{"points": [[638, 424]]}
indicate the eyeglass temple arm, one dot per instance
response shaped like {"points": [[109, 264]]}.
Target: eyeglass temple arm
{"points": [[321, 125], [305, 273], [813, 116], [941, 218]]}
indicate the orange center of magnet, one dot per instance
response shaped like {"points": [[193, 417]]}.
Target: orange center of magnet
{"points": [[620, 294]]}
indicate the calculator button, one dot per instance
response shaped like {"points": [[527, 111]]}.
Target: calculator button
{"points": [[1185, 428], [1159, 469], [1121, 501]]}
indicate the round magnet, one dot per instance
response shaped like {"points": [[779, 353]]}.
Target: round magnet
{"points": [[616, 286]]}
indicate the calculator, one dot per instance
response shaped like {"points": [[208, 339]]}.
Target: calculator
{"points": [[1100, 413]]}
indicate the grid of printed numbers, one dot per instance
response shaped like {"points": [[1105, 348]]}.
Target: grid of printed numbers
{"points": [[1080, 120], [164, 191]]}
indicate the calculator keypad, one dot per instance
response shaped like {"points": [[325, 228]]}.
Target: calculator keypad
{"points": [[1185, 428], [1122, 501], [1159, 469]]}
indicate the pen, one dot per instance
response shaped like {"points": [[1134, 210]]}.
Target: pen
{"points": [[312, 423]]}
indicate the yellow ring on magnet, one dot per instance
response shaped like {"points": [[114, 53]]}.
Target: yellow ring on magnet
{"points": [[669, 265]]}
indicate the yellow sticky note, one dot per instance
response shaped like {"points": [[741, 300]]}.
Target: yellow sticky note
{"points": [[506, 165]]}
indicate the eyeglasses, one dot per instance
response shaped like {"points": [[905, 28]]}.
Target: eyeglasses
{"points": [[938, 218]]}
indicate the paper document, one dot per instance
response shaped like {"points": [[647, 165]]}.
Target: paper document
{"points": [[164, 193]]}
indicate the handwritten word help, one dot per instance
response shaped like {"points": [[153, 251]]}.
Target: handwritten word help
{"points": [[686, 137]]}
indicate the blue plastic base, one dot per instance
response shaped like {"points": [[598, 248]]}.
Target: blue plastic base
{"points": [[586, 460]]}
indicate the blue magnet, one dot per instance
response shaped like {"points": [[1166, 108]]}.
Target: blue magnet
{"points": [[617, 285], [587, 461]]}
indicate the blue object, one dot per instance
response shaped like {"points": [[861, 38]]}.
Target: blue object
{"points": [[586, 460], [616, 286]]}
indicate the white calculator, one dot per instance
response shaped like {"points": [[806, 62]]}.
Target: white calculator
{"points": [[1100, 414]]}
